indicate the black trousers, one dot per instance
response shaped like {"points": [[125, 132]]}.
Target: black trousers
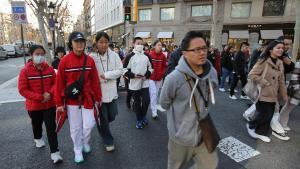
{"points": [[129, 92], [141, 100], [48, 117], [108, 114], [261, 122], [243, 77]]}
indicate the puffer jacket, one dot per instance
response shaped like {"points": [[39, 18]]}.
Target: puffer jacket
{"points": [[273, 85], [159, 62], [33, 83]]}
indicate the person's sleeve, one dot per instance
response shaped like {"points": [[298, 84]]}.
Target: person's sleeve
{"points": [[114, 74], [24, 88], [96, 83], [60, 84], [168, 92], [52, 90], [256, 74], [289, 68], [171, 63]]}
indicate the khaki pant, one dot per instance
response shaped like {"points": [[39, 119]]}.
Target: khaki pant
{"points": [[179, 156]]}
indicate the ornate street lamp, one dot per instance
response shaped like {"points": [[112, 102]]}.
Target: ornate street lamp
{"points": [[51, 8]]}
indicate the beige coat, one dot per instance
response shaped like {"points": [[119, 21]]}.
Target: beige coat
{"points": [[273, 85]]}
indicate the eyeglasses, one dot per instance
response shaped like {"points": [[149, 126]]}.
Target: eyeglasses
{"points": [[197, 50]]}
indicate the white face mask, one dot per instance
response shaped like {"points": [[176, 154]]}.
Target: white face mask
{"points": [[139, 48], [163, 49], [39, 59]]}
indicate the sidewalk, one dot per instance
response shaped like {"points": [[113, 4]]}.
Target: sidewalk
{"points": [[9, 91]]}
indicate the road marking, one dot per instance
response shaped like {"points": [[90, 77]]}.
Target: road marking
{"points": [[12, 101], [9, 82], [236, 150], [11, 66]]}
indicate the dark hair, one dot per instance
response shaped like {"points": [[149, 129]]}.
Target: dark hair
{"points": [[100, 35], [185, 43], [35, 47], [164, 45], [60, 49], [156, 42], [117, 47], [146, 44], [136, 38], [266, 54], [244, 44], [111, 45]]}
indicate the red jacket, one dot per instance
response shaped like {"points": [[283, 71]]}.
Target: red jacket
{"points": [[159, 62], [69, 71], [33, 83]]}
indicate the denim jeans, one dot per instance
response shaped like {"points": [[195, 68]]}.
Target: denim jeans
{"points": [[225, 74]]}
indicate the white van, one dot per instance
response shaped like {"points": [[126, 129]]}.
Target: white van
{"points": [[3, 53], [12, 50]]}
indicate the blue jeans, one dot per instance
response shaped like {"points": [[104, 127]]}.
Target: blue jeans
{"points": [[225, 74]]}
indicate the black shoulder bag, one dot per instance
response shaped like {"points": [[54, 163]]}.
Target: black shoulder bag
{"points": [[210, 135], [74, 90]]}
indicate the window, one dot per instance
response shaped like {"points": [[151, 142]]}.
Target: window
{"points": [[274, 7], [167, 1], [202, 10], [240, 10], [145, 15], [145, 2], [167, 14]]}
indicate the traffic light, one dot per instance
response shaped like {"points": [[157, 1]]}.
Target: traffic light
{"points": [[127, 13]]}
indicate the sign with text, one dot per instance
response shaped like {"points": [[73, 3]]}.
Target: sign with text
{"points": [[19, 12]]}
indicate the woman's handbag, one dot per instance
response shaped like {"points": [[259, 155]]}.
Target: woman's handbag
{"points": [[74, 90], [252, 89], [210, 135]]}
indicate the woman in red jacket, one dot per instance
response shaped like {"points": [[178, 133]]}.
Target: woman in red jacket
{"points": [[36, 84], [159, 65], [80, 110]]}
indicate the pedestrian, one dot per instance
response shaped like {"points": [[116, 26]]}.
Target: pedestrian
{"points": [[294, 100], [239, 71], [159, 62], [110, 68], [173, 60], [165, 51], [59, 54], [121, 56], [77, 68], [36, 84], [272, 87], [255, 55], [147, 48], [185, 135], [227, 66], [139, 69], [215, 59]]}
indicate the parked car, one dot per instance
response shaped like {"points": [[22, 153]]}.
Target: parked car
{"points": [[3, 53], [12, 50]]}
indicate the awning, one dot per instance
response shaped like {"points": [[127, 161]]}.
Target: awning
{"points": [[239, 34], [270, 34], [143, 34], [168, 35]]}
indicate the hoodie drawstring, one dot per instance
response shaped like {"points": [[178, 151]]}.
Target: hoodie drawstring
{"points": [[193, 91]]}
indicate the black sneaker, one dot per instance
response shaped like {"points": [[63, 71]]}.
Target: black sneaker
{"points": [[281, 136]]}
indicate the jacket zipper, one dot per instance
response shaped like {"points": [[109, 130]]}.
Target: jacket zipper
{"points": [[41, 74]]}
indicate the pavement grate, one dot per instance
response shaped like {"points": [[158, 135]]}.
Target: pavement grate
{"points": [[236, 150]]}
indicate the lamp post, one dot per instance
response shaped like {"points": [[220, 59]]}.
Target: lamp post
{"points": [[51, 7]]}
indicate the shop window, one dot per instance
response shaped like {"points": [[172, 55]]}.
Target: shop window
{"points": [[201, 10], [241, 10], [167, 14], [274, 7], [145, 15]]}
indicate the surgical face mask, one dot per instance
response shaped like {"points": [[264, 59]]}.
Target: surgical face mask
{"points": [[163, 49], [38, 59], [139, 48]]}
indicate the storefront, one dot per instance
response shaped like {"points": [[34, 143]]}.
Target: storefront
{"points": [[166, 37], [146, 36]]}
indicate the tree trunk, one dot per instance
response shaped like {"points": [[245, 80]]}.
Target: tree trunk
{"points": [[44, 36]]}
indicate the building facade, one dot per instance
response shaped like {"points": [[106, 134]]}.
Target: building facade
{"points": [[87, 20]]}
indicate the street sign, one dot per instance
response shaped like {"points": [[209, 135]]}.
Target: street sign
{"points": [[19, 12]]}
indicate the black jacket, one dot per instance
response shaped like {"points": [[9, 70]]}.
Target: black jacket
{"points": [[239, 63], [254, 57], [173, 60], [287, 68], [55, 63], [227, 61]]}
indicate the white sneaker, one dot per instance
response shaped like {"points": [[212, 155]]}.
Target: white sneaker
{"points": [[86, 148], [158, 107], [56, 158], [235, 91], [110, 148], [281, 136], [251, 132], [233, 97], [286, 128], [244, 97], [39, 143], [264, 138], [221, 89], [78, 158]]}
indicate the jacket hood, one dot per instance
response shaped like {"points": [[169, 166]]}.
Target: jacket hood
{"points": [[209, 73]]}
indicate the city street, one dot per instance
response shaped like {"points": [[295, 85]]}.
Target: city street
{"points": [[136, 149]]}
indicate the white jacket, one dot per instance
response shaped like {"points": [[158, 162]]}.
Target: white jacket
{"points": [[139, 63], [111, 66]]}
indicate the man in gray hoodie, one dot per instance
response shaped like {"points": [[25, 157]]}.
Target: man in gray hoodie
{"points": [[185, 142]]}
